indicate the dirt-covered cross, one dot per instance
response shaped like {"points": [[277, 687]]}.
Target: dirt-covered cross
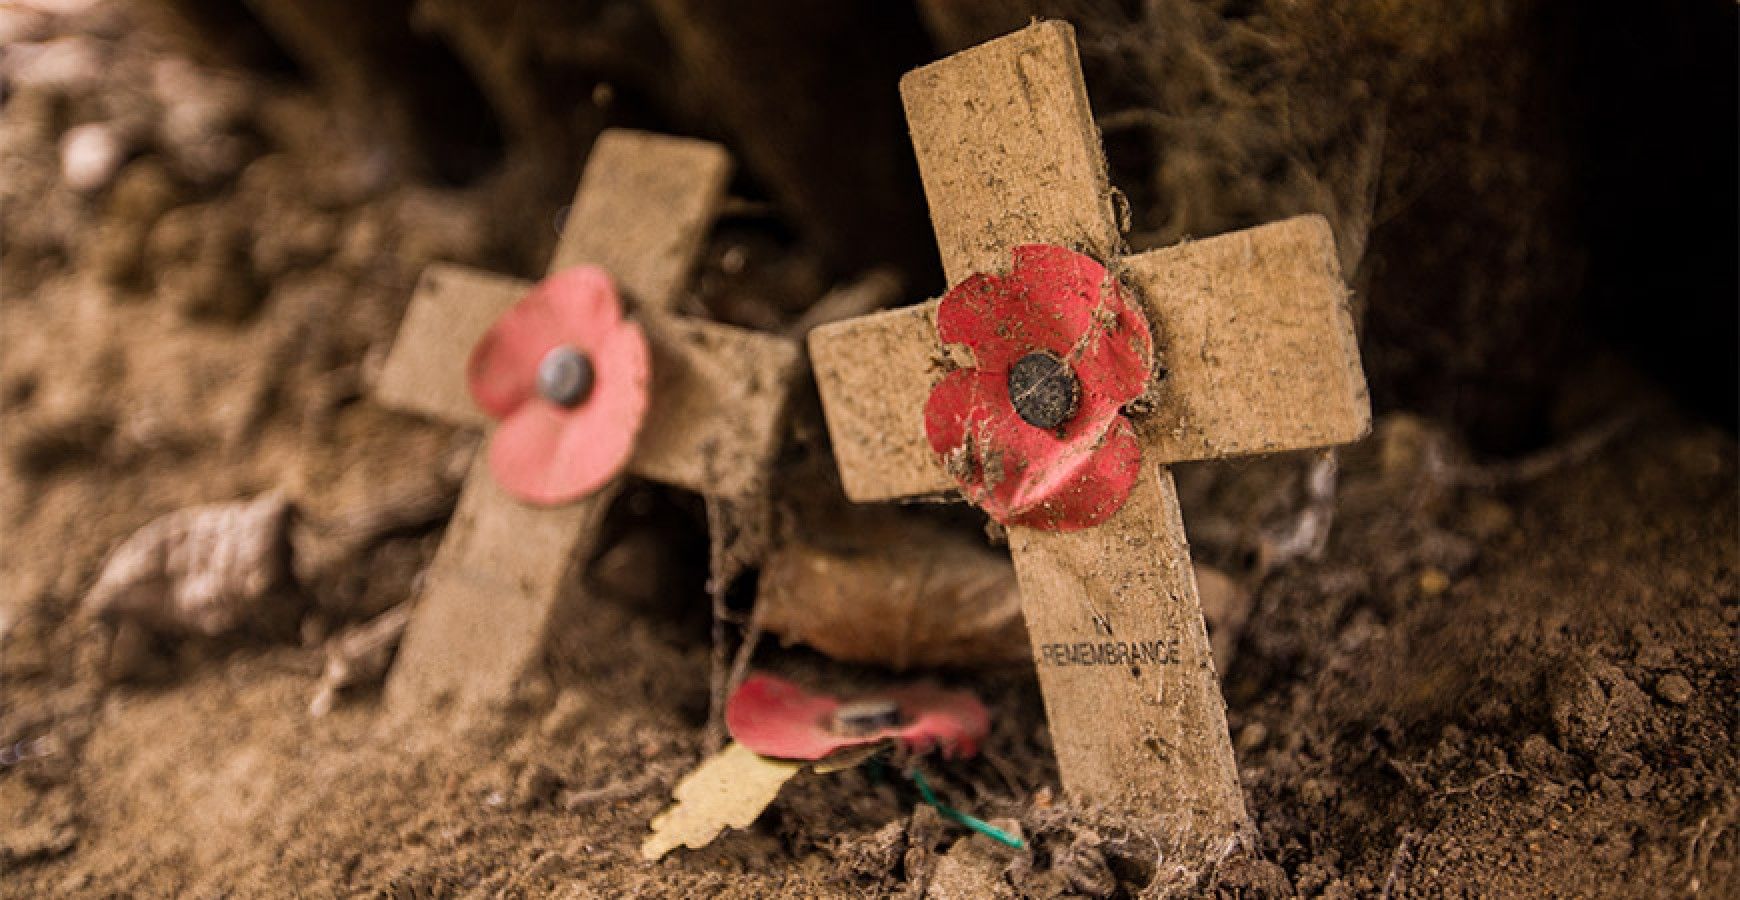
{"points": [[1255, 353], [643, 208]]}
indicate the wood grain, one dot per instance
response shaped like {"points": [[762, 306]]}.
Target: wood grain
{"points": [[644, 205], [642, 208], [874, 373], [1008, 151], [1124, 663], [450, 310], [1254, 334], [488, 599], [719, 395]]}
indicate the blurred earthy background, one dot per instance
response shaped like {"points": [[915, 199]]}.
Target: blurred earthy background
{"points": [[1509, 670]]}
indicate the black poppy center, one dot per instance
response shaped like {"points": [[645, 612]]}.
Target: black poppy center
{"points": [[565, 376], [866, 716], [1044, 389]]}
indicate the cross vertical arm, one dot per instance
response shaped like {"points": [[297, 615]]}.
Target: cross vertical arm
{"points": [[1255, 354], [1010, 154], [718, 390], [641, 211]]}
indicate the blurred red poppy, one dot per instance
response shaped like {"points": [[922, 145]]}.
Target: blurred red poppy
{"points": [[566, 376], [1034, 431], [777, 718]]}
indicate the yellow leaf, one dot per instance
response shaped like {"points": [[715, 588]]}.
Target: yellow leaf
{"points": [[728, 789]]}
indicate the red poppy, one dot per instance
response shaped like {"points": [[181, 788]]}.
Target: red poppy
{"points": [[776, 718], [1034, 431], [566, 376]]}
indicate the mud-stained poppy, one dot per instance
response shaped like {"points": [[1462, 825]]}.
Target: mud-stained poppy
{"points": [[777, 718], [1034, 431], [566, 376]]}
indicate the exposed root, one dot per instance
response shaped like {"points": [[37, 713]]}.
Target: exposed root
{"points": [[1535, 466], [359, 655], [1399, 859], [739, 534], [1306, 535]]}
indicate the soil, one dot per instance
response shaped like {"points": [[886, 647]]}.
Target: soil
{"points": [[1497, 680]]}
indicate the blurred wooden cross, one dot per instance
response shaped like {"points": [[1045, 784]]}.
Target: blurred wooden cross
{"points": [[1256, 354], [644, 205]]}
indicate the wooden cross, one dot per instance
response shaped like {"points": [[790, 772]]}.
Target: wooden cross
{"points": [[1256, 354], [644, 205]]}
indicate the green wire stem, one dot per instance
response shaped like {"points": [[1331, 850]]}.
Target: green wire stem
{"points": [[977, 824]]}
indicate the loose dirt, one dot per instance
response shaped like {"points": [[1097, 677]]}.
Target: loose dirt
{"points": [[1521, 689]]}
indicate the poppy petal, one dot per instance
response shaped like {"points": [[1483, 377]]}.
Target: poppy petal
{"points": [[578, 306], [963, 397], [502, 372], [548, 454], [774, 717], [586, 304], [997, 318], [1084, 489]]}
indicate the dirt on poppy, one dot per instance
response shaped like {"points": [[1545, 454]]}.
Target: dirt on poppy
{"points": [[1509, 678]]}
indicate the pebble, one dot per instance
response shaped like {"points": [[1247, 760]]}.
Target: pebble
{"points": [[1252, 736], [89, 157], [1674, 689]]}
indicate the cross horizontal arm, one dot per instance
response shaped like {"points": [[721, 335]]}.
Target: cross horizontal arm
{"points": [[718, 392], [1251, 328], [452, 307], [874, 373], [718, 401], [1256, 341]]}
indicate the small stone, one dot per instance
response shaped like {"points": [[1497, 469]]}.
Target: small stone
{"points": [[89, 157], [1252, 737], [204, 570], [1434, 582], [1674, 689]]}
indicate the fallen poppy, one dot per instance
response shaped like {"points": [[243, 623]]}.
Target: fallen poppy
{"points": [[566, 376], [1034, 431], [776, 718]]}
